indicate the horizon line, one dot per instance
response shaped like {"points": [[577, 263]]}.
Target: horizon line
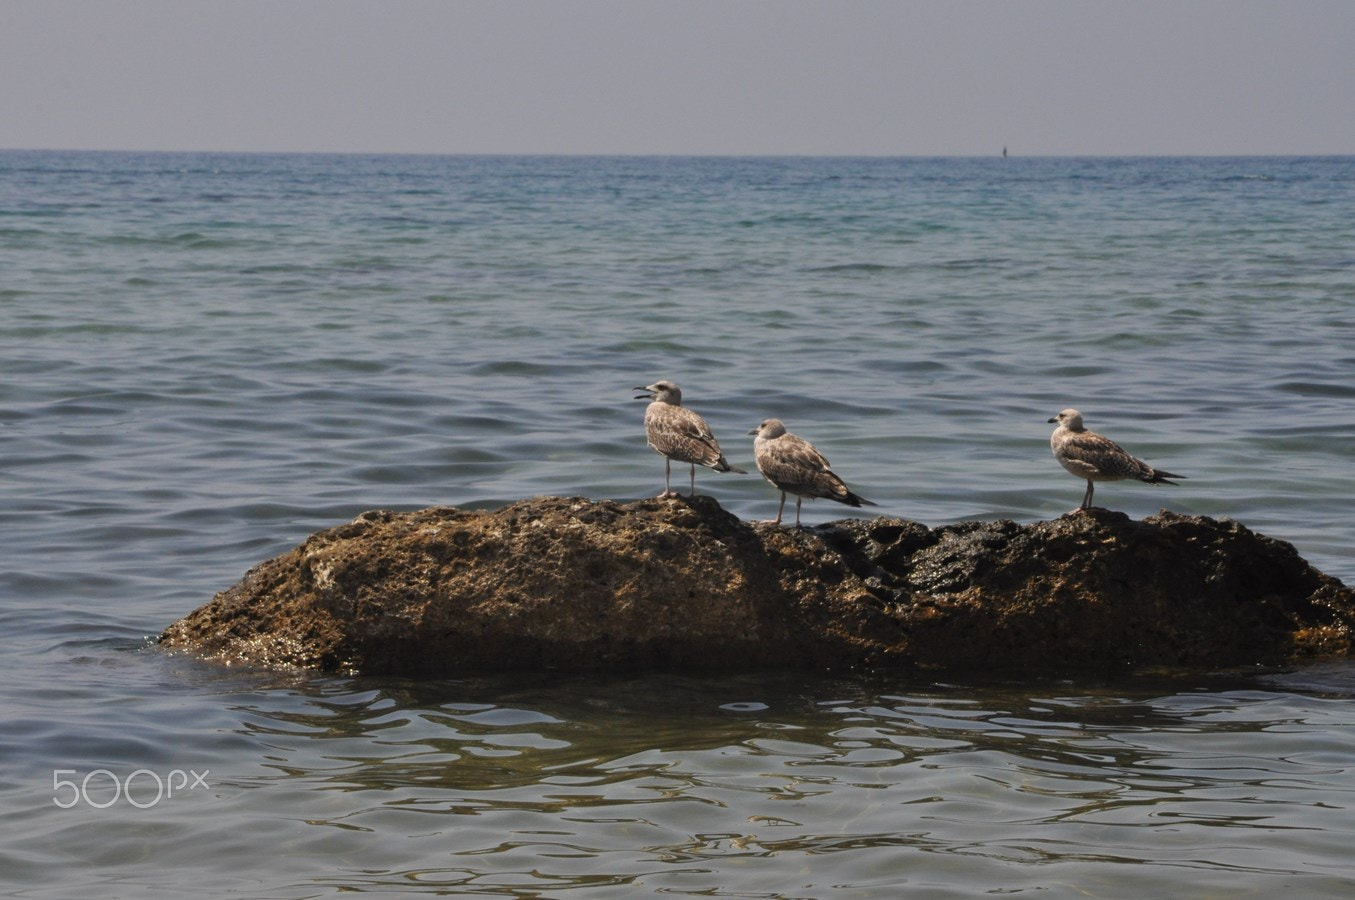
{"points": [[1002, 153]]}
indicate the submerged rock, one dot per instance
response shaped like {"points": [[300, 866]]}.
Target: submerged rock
{"points": [[576, 584]]}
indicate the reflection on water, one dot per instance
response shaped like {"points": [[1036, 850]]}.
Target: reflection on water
{"points": [[787, 785], [762, 786]]}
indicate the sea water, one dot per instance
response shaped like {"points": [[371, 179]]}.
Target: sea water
{"points": [[208, 357]]}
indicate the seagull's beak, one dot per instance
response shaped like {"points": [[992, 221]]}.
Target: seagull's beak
{"points": [[1053, 420], [647, 395], [755, 430]]}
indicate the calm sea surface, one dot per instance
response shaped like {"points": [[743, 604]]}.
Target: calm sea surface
{"points": [[208, 357]]}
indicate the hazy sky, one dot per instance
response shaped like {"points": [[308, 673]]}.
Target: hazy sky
{"points": [[905, 77]]}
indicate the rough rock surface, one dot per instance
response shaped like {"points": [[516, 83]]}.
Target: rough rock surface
{"points": [[575, 584]]}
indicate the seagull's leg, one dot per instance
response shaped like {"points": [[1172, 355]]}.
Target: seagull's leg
{"points": [[780, 509], [667, 469], [798, 501], [693, 479], [1087, 497]]}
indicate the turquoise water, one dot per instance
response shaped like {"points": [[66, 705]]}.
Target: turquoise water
{"points": [[206, 358]]}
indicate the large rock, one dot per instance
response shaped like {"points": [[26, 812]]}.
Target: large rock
{"points": [[574, 584]]}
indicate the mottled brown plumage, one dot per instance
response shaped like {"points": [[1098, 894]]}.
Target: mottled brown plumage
{"points": [[794, 466], [1094, 457], [679, 434]]}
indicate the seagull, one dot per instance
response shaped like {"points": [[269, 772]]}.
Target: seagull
{"points": [[1088, 455], [677, 433], [792, 465]]}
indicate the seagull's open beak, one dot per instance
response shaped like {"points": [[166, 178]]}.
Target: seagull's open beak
{"points": [[647, 395]]}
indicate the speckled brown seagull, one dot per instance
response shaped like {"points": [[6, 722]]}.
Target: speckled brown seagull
{"points": [[793, 466], [677, 433], [1088, 455]]}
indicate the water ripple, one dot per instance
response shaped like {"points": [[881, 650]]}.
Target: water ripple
{"points": [[211, 356]]}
